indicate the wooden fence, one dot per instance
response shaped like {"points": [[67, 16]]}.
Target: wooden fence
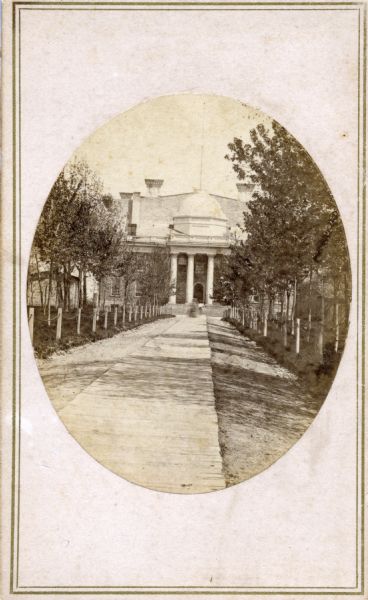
{"points": [[119, 317], [296, 334]]}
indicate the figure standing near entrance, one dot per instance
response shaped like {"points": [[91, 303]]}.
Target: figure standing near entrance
{"points": [[193, 310]]}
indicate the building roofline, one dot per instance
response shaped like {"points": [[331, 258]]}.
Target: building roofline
{"points": [[182, 194]]}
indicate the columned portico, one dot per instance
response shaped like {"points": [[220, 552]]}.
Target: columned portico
{"points": [[197, 269], [199, 232], [195, 231], [190, 278]]}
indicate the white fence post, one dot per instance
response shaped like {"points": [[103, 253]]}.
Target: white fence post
{"points": [[94, 320], [31, 322], [265, 323], [59, 322], [79, 320], [124, 315], [130, 313], [115, 315], [106, 316], [297, 337]]}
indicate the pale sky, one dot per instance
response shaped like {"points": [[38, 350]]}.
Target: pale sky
{"points": [[162, 138]]}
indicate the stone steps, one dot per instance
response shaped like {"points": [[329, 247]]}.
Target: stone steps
{"points": [[212, 310]]}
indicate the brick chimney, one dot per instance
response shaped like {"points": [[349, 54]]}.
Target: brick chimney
{"points": [[153, 186], [245, 191]]}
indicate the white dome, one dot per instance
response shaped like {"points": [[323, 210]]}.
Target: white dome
{"points": [[201, 204]]}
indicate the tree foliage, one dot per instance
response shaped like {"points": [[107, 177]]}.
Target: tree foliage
{"points": [[83, 230], [79, 229], [292, 223], [154, 276]]}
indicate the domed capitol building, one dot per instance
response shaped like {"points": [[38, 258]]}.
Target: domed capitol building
{"points": [[197, 227]]}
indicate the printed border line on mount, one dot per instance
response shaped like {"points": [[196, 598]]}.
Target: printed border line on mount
{"points": [[361, 8]]}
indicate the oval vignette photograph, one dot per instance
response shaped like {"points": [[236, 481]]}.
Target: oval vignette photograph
{"points": [[188, 293]]}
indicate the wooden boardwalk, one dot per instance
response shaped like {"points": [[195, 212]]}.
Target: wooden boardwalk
{"points": [[150, 415]]}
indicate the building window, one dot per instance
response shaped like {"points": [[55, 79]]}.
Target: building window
{"points": [[132, 229]]}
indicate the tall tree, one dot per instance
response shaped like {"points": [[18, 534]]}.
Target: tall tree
{"points": [[291, 219], [79, 229], [154, 278]]}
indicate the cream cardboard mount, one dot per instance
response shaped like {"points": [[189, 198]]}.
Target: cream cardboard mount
{"points": [[183, 313]]}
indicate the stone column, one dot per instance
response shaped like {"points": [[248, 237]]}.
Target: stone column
{"points": [[174, 272], [210, 268], [190, 278]]}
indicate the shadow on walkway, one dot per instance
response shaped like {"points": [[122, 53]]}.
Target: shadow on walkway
{"points": [[262, 408]]}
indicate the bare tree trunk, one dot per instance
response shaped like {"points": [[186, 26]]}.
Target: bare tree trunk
{"points": [[70, 286], [282, 309], [293, 310], [49, 294], [310, 305], [39, 281], [261, 305], [65, 285], [335, 290], [271, 299], [80, 284], [287, 305], [337, 328], [286, 321], [84, 288], [322, 324], [30, 292], [59, 289], [285, 332]]}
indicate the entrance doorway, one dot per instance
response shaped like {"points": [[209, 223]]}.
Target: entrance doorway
{"points": [[198, 293]]}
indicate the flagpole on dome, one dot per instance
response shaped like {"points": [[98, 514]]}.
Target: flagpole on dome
{"points": [[202, 146]]}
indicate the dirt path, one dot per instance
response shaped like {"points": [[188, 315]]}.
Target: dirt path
{"points": [[261, 407], [144, 405]]}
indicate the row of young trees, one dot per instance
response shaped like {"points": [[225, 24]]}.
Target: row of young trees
{"points": [[82, 232], [295, 246]]}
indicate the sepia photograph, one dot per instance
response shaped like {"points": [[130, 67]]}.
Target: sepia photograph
{"points": [[188, 293]]}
